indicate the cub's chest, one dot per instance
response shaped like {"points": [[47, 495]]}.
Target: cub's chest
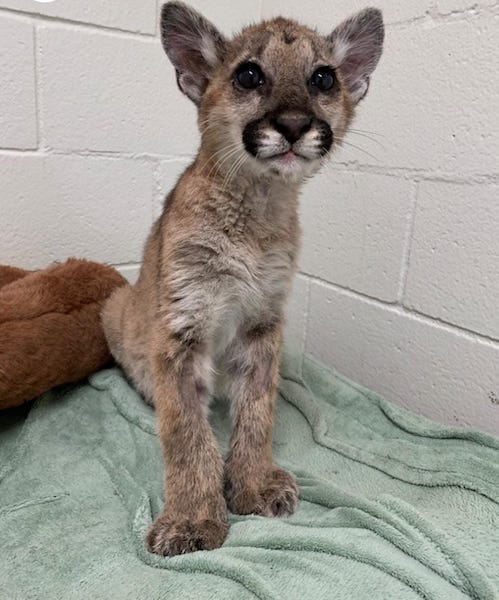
{"points": [[254, 296], [261, 274], [253, 291]]}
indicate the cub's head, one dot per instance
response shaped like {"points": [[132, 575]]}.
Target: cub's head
{"points": [[276, 98]]}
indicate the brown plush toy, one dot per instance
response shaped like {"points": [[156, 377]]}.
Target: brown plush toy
{"points": [[50, 329]]}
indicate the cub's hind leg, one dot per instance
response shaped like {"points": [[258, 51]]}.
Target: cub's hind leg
{"points": [[127, 335]]}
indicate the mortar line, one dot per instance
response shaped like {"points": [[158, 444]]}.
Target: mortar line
{"points": [[118, 154], [415, 173], [473, 11], [22, 152], [304, 335], [157, 189], [408, 243], [82, 25], [36, 82], [440, 323], [156, 20], [348, 290], [407, 173], [416, 315], [45, 151]]}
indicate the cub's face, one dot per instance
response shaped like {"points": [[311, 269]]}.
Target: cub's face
{"points": [[279, 96]]}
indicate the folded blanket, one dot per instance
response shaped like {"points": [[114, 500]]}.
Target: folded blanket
{"points": [[392, 505]]}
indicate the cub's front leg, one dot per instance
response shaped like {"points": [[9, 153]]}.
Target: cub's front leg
{"points": [[253, 483], [194, 514]]}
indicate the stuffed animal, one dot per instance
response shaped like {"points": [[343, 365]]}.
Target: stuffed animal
{"points": [[9, 274], [50, 329]]}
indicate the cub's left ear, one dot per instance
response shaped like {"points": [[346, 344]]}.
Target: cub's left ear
{"points": [[357, 46], [193, 45]]}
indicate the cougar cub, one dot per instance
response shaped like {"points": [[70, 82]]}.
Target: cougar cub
{"points": [[206, 314]]}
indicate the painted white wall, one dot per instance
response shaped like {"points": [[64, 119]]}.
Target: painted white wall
{"points": [[399, 275]]}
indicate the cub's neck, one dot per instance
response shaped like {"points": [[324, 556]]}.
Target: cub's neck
{"points": [[236, 181]]}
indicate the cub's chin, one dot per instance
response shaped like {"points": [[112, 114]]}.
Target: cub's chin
{"points": [[291, 166]]}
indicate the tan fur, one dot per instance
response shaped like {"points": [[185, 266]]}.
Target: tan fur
{"points": [[207, 311], [50, 329]]}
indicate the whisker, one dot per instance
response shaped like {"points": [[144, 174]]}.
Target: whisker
{"points": [[367, 131], [243, 159], [227, 174], [359, 148], [218, 164], [211, 119], [364, 135], [233, 171], [233, 168], [225, 151]]}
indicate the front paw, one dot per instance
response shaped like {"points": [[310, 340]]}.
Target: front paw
{"points": [[168, 536], [271, 494]]}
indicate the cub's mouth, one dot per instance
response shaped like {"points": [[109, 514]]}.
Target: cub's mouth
{"points": [[287, 139]]}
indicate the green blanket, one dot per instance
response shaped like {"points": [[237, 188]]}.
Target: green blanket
{"points": [[392, 505]]}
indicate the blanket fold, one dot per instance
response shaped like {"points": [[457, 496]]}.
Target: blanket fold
{"points": [[392, 505]]}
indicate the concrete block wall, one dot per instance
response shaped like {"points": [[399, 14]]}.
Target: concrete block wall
{"points": [[399, 273]]}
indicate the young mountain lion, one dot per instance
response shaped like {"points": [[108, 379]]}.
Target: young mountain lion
{"points": [[206, 314]]}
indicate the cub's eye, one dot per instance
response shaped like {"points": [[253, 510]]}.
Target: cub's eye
{"points": [[249, 76], [323, 79]]}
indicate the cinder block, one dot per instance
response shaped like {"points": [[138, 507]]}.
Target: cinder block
{"points": [[454, 264], [18, 127], [106, 92], [326, 15], [354, 229], [434, 371], [137, 16], [394, 11], [296, 314], [54, 207], [433, 99]]}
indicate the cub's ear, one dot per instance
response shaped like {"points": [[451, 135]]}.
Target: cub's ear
{"points": [[193, 45], [357, 46]]}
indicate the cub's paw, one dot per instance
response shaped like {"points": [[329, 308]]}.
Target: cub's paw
{"points": [[169, 537], [271, 494]]}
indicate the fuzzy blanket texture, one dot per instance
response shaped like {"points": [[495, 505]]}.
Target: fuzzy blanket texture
{"points": [[392, 505]]}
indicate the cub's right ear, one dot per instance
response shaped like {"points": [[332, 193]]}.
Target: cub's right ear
{"points": [[193, 45]]}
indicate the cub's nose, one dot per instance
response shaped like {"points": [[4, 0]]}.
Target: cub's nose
{"points": [[292, 127]]}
